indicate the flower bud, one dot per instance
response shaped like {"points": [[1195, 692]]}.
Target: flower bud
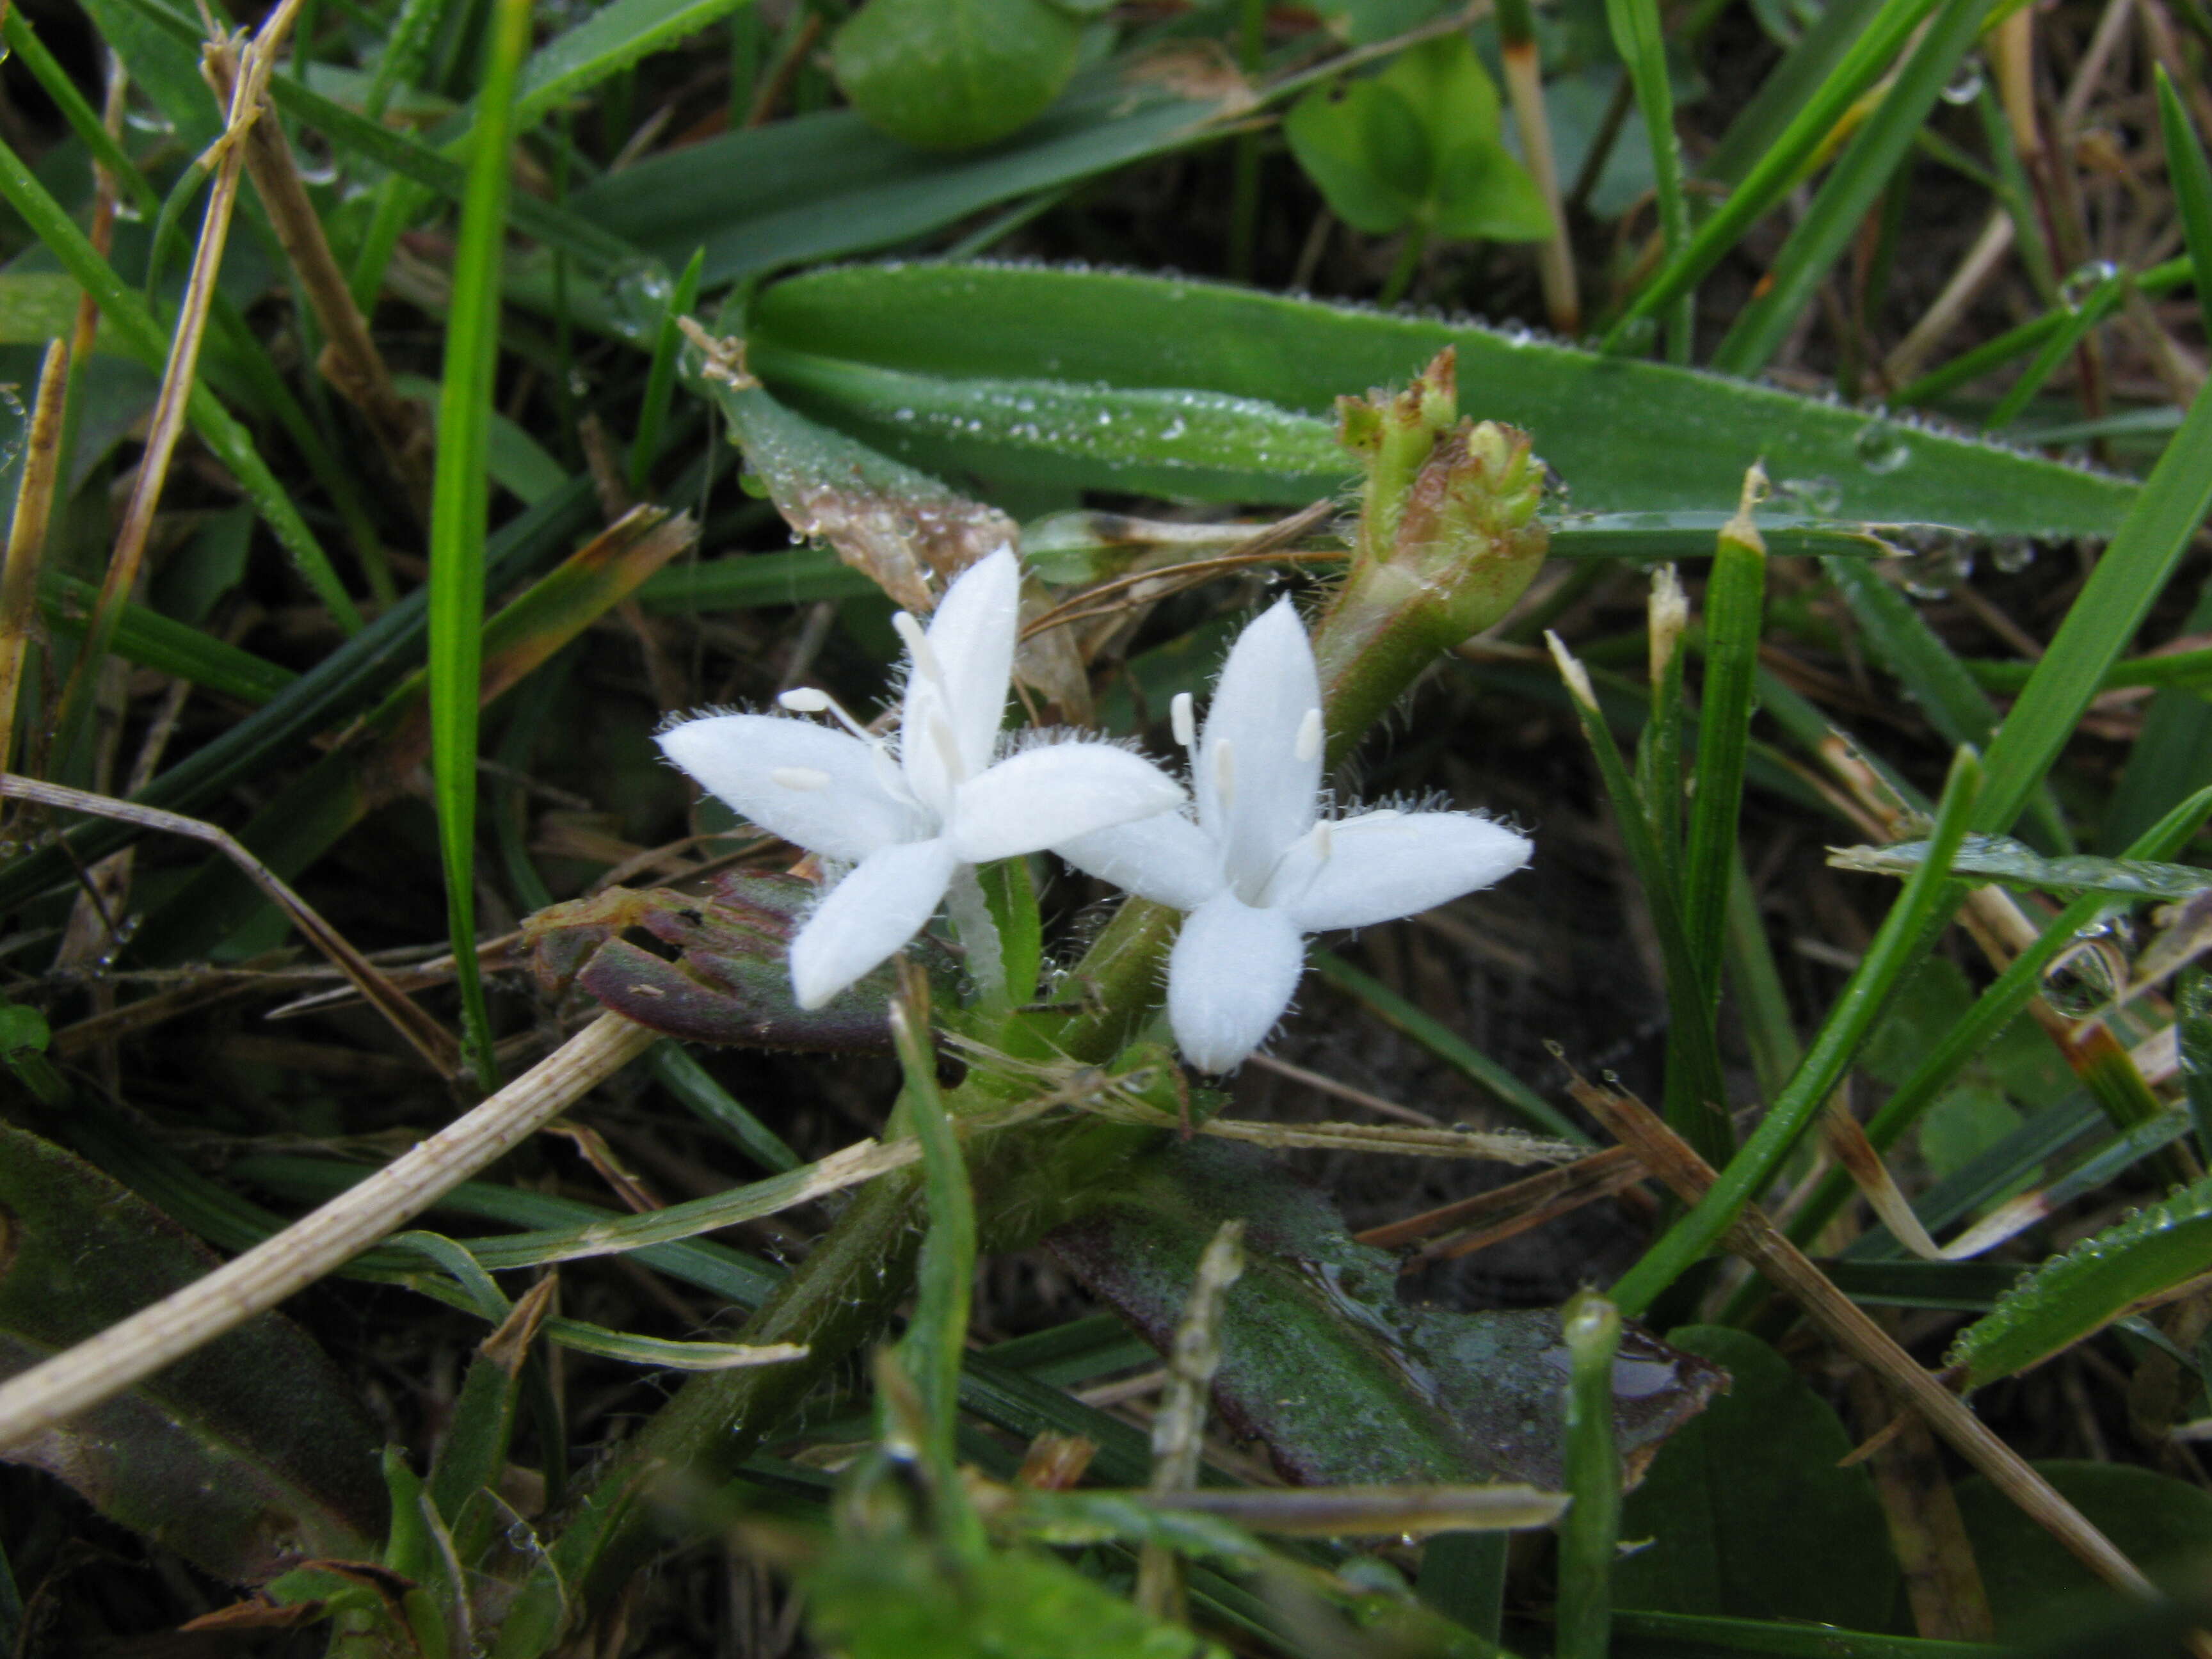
{"points": [[1448, 540]]}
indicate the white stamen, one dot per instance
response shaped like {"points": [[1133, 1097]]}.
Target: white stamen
{"points": [[1324, 840], [919, 647], [799, 777], [1224, 773], [806, 700], [948, 750], [1183, 721], [1308, 742]]}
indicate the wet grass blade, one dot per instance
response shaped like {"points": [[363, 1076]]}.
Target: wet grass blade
{"points": [[1591, 1534], [1779, 169], [1897, 946], [1695, 1088], [2080, 316], [143, 337], [146, 637], [2190, 176], [2102, 620], [1736, 601], [1850, 190], [660, 381], [1641, 39], [679, 1072], [1946, 690], [461, 500]]}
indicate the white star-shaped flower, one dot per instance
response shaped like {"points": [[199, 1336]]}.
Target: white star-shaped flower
{"points": [[912, 819], [1260, 867]]}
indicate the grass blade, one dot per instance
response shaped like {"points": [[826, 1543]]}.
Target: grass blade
{"points": [[1695, 1089], [1896, 947], [1591, 1532], [660, 381], [2190, 176], [1735, 598], [461, 500], [1641, 39], [1850, 190]]}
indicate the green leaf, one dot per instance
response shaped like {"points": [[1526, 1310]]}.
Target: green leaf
{"points": [[2101, 1279], [954, 74], [1345, 1384], [242, 1457], [1417, 144], [2002, 859], [1749, 1515], [2034, 1585], [1265, 371], [609, 40]]}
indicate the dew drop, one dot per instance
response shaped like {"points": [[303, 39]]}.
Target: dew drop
{"points": [[1966, 85], [2083, 282], [2012, 554], [1822, 498], [1883, 448]]}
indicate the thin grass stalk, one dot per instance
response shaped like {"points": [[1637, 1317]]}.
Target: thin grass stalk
{"points": [[1779, 170], [2082, 316], [349, 360], [1967, 365], [82, 1378], [2190, 176], [1641, 39], [1897, 947], [460, 501], [1736, 600], [27, 535], [660, 380], [1524, 90], [168, 422], [1591, 1534], [1867, 165], [2160, 524], [1695, 1089], [1244, 198]]}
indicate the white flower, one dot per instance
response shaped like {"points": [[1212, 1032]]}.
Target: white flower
{"points": [[911, 825], [1260, 868]]}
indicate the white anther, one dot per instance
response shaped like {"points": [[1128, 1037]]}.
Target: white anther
{"points": [[948, 750], [1224, 773], [1324, 840], [799, 777], [1308, 742], [805, 699], [1182, 718]]}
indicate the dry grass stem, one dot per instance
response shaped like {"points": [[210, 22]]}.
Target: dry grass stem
{"points": [[349, 360], [423, 1032], [1329, 1085], [27, 535], [45, 1396], [1760, 1243]]}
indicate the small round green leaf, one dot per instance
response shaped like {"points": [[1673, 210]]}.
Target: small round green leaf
{"points": [[1363, 145], [953, 74]]}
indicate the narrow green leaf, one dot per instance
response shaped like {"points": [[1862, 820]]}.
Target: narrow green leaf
{"points": [[2102, 620], [799, 576], [460, 499], [143, 338], [1591, 1531], [660, 380], [2190, 177], [608, 40], [1779, 170], [1973, 364], [1678, 1636], [1696, 1093], [1897, 945], [153, 640], [2081, 314], [1735, 612], [1259, 375], [1641, 39], [678, 1070], [2000, 859], [1857, 179]]}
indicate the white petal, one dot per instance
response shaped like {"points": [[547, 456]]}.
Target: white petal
{"points": [[1260, 704], [869, 914], [971, 645], [1395, 865], [1229, 980], [1054, 793], [739, 756], [1166, 858]]}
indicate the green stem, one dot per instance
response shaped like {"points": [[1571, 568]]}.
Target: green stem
{"points": [[1409, 261]]}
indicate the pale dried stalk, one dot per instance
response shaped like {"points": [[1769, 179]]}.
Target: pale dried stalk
{"points": [[349, 360], [318, 1245], [1329, 1085], [1973, 275], [1758, 1242], [1179, 1425], [26, 535], [181, 373], [423, 1033], [1555, 254]]}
